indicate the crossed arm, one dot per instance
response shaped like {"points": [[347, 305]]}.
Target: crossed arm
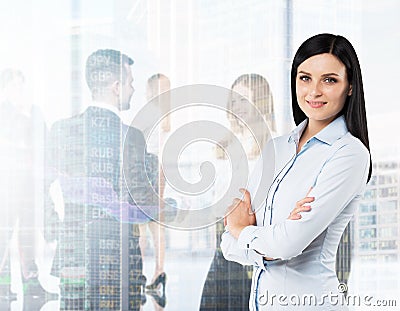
{"points": [[240, 214], [339, 182]]}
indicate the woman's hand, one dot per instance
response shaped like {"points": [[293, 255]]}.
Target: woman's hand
{"points": [[240, 214], [300, 207]]}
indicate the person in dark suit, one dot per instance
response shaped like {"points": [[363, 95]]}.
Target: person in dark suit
{"points": [[100, 165]]}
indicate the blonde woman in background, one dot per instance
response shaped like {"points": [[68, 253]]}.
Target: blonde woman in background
{"points": [[228, 284]]}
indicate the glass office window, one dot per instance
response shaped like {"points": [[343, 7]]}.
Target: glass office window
{"points": [[388, 218], [388, 192], [388, 232], [388, 206], [368, 246], [368, 233], [370, 194], [367, 207], [385, 245], [367, 220]]}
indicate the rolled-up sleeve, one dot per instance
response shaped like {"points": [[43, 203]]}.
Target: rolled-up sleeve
{"points": [[342, 178]]}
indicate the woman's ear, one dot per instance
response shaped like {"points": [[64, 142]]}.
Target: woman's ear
{"points": [[350, 90], [116, 88]]}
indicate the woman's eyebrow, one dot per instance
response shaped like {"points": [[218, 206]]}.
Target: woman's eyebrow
{"points": [[330, 74], [323, 75], [303, 72]]}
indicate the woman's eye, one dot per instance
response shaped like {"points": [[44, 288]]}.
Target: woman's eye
{"points": [[330, 80], [305, 78]]}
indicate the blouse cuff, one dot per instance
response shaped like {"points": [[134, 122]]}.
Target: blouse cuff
{"points": [[247, 237]]}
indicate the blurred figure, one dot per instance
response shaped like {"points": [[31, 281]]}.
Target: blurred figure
{"points": [[250, 88], [99, 259], [22, 134], [227, 286], [156, 85]]}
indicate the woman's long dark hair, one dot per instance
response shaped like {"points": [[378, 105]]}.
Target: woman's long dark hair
{"points": [[354, 108]]}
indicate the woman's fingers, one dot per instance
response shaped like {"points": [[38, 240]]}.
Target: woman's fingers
{"points": [[305, 208], [300, 207], [245, 202], [295, 213], [246, 196], [294, 216], [240, 213], [304, 201]]}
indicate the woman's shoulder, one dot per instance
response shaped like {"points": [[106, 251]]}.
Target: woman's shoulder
{"points": [[351, 153], [280, 140], [351, 144]]}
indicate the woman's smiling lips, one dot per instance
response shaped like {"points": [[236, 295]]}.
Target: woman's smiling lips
{"points": [[315, 104]]}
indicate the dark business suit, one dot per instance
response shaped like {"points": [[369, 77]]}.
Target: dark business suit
{"points": [[99, 251]]}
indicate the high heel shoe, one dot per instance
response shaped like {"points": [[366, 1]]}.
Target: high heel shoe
{"points": [[142, 282], [160, 300], [6, 294], [160, 279], [35, 296]]}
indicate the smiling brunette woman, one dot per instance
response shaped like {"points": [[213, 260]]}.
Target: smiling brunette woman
{"points": [[326, 161]]}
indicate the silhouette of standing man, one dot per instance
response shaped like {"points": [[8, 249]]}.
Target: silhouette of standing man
{"points": [[98, 258]]}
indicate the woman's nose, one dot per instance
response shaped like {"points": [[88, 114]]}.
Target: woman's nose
{"points": [[315, 90]]}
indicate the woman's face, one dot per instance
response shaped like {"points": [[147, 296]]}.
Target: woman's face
{"points": [[322, 88], [241, 97]]}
